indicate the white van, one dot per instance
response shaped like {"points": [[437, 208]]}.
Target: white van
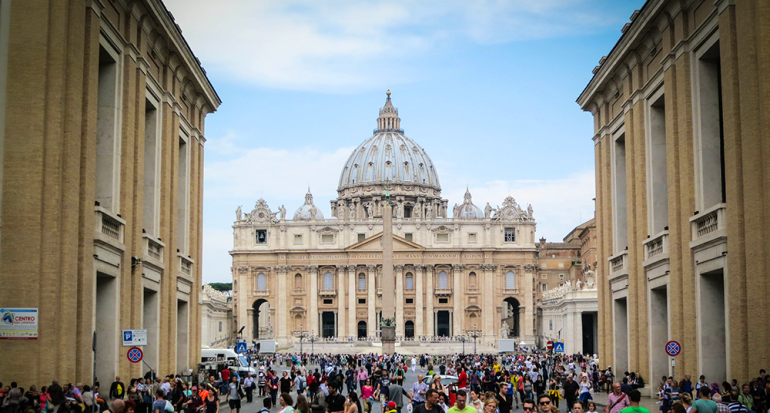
{"points": [[230, 357]]}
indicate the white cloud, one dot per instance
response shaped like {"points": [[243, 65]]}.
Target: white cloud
{"points": [[345, 45]]}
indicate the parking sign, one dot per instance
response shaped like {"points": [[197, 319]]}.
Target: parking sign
{"points": [[133, 338]]}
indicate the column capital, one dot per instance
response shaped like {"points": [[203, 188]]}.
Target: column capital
{"points": [[398, 267], [418, 267], [282, 269], [371, 268], [489, 267], [311, 268], [458, 267], [341, 267], [352, 267], [429, 267]]}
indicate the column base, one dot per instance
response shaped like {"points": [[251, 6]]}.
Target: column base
{"points": [[388, 339]]}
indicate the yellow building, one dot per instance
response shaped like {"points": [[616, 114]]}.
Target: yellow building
{"points": [[102, 106], [682, 150]]}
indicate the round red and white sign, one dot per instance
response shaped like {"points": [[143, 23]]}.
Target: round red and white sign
{"points": [[135, 354], [549, 345]]}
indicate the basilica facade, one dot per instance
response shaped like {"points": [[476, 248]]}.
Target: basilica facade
{"points": [[457, 268]]}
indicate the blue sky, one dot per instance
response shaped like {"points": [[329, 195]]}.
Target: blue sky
{"points": [[488, 88]]}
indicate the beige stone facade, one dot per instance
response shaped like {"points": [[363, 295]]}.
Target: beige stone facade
{"points": [[217, 329], [680, 110], [101, 128], [454, 269], [567, 299]]}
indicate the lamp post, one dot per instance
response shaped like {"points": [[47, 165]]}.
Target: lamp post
{"points": [[302, 334], [475, 334], [463, 338], [313, 339]]}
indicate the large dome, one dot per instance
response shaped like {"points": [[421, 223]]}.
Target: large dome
{"points": [[389, 156]]}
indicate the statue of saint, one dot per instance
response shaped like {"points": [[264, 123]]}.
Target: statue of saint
{"points": [[504, 331], [282, 210], [456, 211], [488, 211], [416, 211], [529, 210], [313, 211], [370, 210], [429, 211], [238, 214]]}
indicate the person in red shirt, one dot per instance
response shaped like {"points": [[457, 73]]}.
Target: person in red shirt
{"points": [[462, 379], [226, 375]]}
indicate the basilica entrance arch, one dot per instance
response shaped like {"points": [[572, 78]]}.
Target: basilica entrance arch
{"points": [[362, 329], [260, 319], [409, 329], [511, 316]]}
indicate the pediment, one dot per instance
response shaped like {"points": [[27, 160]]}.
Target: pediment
{"points": [[374, 243]]}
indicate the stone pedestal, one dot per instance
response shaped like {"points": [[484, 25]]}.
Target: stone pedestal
{"points": [[388, 340]]}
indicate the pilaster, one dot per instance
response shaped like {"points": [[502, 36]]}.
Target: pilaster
{"points": [[419, 327], [371, 312], [488, 312], [399, 300], [282, 307], [352, 288], [429, 330], [312, 271], [341, 324], [457, 298]]}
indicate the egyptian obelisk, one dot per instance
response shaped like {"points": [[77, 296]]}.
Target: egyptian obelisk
{"points": [[388, 326]]}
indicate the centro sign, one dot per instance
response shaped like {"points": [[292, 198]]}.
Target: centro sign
{"points": [[18, 323]]}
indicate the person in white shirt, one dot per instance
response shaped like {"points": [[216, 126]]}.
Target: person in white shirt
{"points": [[414, 363]]}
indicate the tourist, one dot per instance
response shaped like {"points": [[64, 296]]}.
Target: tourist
{"points": [[431, 403], [460, 404], [476, 402], [616, 401], [635, 397], [704, 404], [286, 402]]}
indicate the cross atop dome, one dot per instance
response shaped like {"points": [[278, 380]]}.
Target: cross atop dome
{"points": [[388, 120]]}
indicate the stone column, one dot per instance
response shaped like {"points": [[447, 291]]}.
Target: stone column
{"points": [[429, 330], [312, 271], [488, 307], [419, 327], [529, 306], [243, 303], [341, 324], [371, 310], [282, 306], [352, 288], [457, 298], [399, 300]]}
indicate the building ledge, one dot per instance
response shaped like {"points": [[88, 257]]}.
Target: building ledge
{"points": [[656, 250], [618, 265], [709, 228]]}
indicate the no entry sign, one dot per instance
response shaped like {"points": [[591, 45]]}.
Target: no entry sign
{"points": [[673, 348], [549, 345], [135, 354]]}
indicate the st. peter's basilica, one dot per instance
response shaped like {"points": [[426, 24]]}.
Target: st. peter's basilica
{"points": [[456, 270]]}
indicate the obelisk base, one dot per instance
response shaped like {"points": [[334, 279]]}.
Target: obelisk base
{"points": [[388, 340]]}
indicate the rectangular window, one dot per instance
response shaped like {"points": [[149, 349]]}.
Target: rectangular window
{"points": [[471, 238], [183, 194], [362, 301], [620, 216], [561, 265], [327, 239], [151, 187], [297, 239], [657, 175], [108, 132], [409, 282], [361, 237], [442, 237], [408, 236], [410, 300], [510, 235], [709, 139], [328, 301], [550, 324], [261, 236], [545, 287], [220, 326], [542, 265], [362, 282], [443, 300]]}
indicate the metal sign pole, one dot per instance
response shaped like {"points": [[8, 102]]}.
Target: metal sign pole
{"points": [[673, 368], [93, 373]]}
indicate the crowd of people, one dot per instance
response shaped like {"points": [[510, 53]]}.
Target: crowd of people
{"points": [[359, 383]]}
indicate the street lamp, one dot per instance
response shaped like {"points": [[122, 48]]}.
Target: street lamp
{"points": [[463, 338], [302, 334], [313, 339], [475, 334]]}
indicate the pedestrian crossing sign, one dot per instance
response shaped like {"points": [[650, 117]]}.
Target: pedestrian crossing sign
{"points": [[558, 347], [240, 347]]}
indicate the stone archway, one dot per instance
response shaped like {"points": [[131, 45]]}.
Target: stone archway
{"points": [[511, 316], [261, 319]]}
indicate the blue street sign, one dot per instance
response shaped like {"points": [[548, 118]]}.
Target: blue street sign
{"points": [[240, 347], [558, 347], [128, 335]]}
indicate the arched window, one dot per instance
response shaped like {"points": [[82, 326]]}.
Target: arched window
{"points": [[361, 281], [443, 281], [472, 280], [298, 281], [510, 280], [328, 281], [261, 282], [409, 284]]}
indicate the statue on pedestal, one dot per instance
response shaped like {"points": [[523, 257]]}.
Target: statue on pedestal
{"points": [[504, 331], [282, 210], [238, 214]]}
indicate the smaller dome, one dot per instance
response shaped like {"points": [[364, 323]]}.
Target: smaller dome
{"points": [[468, 210], [308, 210]]}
